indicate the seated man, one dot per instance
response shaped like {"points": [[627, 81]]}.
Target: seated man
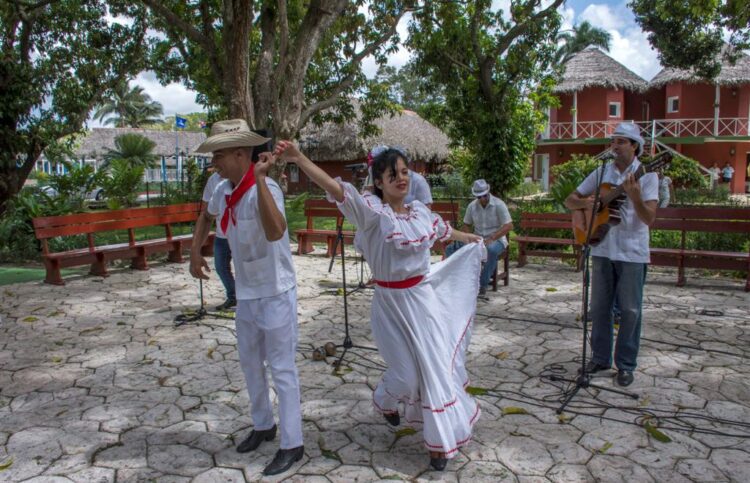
{"points": [[489, 217]]}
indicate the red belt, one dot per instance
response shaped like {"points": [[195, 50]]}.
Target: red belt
{"points": [[408, 283]]}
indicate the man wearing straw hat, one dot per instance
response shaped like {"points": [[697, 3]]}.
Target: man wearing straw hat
{"points": [[252, 215], [620, 260]]}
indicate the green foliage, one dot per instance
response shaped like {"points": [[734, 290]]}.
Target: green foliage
{"points": [[690, 35], [74, 185], [569, 175], [582, 36], [17, 240], [496, 78], [124, 106], [411, 91], [133, 148], [685, 172], [120, 185], [190, 188], [527, 188], [56, 60], [702, 196]]}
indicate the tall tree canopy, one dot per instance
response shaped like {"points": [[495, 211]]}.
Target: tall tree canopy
{"points": [[496, 70], [690, 35], [124, 106], [276, 64], [57, 58], [581, 36]]}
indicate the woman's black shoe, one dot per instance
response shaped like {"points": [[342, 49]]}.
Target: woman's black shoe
{"points": [[393, 418], [438, 463]]}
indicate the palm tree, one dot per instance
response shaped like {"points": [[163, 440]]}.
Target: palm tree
{"points": [[582, 36], [133, 148], [125, 107]]}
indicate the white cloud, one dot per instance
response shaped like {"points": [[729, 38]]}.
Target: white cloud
{"points": [[604, 17]]}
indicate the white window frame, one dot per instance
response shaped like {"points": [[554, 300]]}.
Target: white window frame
{"points": [[670, 104], [609, 109], [293, 173]]}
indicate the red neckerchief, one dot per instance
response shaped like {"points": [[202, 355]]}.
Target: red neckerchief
{"points": [[239, 191]]}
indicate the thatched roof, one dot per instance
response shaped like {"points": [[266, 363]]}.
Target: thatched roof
{"points": [[730, 75], [341, 142], [99, 141], [593, 68]]}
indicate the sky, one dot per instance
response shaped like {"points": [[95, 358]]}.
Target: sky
{"points": [[629, 46]]}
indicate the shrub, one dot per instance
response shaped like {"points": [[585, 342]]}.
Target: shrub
{"points": [[120, 186], [686, 173], [569, 175]]}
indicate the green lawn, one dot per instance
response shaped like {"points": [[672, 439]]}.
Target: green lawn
{"points": [[10, 274]]}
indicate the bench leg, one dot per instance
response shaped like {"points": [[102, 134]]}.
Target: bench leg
{"points": [[681, 273], [521, 254], [139, 262], [304, 245], [506, 266], [53, 272], [579, 258], [175, 254], [99, 267]]}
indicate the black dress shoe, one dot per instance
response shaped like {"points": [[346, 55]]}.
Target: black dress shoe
{"points": [[256, 437], [594, 368], [228, 304], [393, 418], [624, 378], [438, 463], [284, 460]]}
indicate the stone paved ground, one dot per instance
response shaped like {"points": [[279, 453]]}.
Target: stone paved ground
{"points": [[97, 385]]}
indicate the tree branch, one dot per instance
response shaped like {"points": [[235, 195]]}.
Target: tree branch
{"points": [[174, 20], [283, 38], [520, 29]]}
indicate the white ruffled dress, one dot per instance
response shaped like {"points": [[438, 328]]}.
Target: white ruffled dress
{"points": [[422, 332]]}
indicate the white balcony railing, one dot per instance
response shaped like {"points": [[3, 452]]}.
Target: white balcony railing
{"points": [[657, 128]]}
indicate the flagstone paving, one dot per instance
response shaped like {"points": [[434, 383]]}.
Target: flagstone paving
{"points": [[98, 385]]}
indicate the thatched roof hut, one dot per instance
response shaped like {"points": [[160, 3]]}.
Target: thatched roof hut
{"points": [[730, 75], [593, 68], [99, 141], [342, 142]]}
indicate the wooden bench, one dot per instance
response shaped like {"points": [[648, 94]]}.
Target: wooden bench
{"points": [[106, 221], [702, 220], [320, 209], [450, 211], [547, 221]]}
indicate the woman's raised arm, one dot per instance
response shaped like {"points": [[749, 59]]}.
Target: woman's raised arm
{"points": [[287, 151]]}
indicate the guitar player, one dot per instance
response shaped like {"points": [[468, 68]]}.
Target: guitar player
{"points": [[619, 261]]}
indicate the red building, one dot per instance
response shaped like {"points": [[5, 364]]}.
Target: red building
{"points": [[706, 121]]}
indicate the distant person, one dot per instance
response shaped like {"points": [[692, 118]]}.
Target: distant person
{"points": [[419, 189], [489, 217], [666, 190], [222, 252], [727, 172], [714, 173]]}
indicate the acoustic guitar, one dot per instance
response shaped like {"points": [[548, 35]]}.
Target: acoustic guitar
{"points": [[611, 197]]}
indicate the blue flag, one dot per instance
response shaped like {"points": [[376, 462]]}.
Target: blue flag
{"points": [[180, 122]]}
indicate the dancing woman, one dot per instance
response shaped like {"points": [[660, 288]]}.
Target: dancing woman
{"points": [[421, 314]]}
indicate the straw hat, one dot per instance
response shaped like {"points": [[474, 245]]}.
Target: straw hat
{"points": [[233, 133], [480, 188], [629, 130]]}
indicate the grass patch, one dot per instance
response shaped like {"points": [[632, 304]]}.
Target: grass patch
{"points": [[10, 274]]}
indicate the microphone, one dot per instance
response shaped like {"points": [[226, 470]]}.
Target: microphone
{"points": [[607, 155]]}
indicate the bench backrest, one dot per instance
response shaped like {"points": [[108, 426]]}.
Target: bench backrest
{"points": [[448, 211], [128, 219], [715, 220], [557, 221], [321, 209]]}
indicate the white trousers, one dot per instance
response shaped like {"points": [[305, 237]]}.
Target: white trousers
{"points": [[267, 332]]}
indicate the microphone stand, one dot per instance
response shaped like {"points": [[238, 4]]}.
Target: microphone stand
{"points": [[183, 319], [347, 343], [583, 381]]}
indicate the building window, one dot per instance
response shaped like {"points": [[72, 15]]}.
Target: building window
{"points": [[673, 104], [614, 109], [293, 173]]}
